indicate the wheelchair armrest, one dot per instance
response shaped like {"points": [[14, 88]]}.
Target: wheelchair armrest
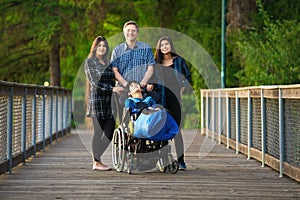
{"points": [[134, 114]]}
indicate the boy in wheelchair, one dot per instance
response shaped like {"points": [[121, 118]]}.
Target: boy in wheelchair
{"points": [[152, 128], [136, 98], [152, 121]]}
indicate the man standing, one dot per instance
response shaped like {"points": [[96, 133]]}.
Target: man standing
{"points": [[133, 60]]}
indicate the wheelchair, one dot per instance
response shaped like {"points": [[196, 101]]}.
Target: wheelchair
{"points": [[133, 154]]}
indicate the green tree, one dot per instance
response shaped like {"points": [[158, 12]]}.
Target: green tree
{"points": [[45, 35], [22, 58], [240, 16], [270, 53]]}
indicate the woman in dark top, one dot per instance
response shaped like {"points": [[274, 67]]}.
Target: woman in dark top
{"points": [[172, 76], [101, 86]]}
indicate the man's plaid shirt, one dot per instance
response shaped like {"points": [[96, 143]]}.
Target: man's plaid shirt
{"points": [[101, 81], [132, 63]]}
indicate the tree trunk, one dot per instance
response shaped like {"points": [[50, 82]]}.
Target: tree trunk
{"points": [[239, 15], [167, 12], [54, 61]]}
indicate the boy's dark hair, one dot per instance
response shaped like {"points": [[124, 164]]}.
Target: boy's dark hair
{"points": [[128, 85]]}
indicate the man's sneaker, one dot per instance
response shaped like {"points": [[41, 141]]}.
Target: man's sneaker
{"points": [[182, 165]]}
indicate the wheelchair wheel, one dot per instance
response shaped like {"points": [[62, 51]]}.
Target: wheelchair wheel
{"points": [[173, 167], [163, 169], [130, 162], [160, 165], [118, 149]]}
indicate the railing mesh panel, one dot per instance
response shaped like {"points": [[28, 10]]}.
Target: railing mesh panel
{"points": [[217, 123], [47, 117], [17, 125], [54, 123], [232, 118], [243, 120], [214, 118], [204, 114], [66, 114], [256, 123], [209, 113], [3, 127], [28, 121], [292, 131], [272, 127], [224, 118], [60, 110], [38, 118], [264, 102], [60, 116]]}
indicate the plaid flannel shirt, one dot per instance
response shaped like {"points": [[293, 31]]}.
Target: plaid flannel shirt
{"points": [[101, 81]]}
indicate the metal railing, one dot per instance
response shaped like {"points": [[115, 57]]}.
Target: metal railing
{"points": [[260, 122], [31, 117]]}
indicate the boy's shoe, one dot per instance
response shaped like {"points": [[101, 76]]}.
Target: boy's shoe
{"points": [[182, 165]]}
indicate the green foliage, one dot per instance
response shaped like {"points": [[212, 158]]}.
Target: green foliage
{"points": [[233, 59], [270, 55], [203, 25], [26, 28], [190, 111], [266, 54], [282, 9], [191, 121]]}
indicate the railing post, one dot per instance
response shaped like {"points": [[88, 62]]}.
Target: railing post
{"points": [[23, 132], [213, 116], [43, 117], [281, 133], [228, 120], [66, 111], [10, 128], [202, 110], [220, 117], [34, 122], [263, 128], [71, 109], [20, 138], [51, 116], [62, 113], [237, 115], [249, 124], [206, 116], [56, 115]]}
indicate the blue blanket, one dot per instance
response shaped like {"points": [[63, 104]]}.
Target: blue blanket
{"points": [[156, 125]]}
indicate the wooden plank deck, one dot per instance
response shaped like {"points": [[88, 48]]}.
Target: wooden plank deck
{"points": [[63, 171]]}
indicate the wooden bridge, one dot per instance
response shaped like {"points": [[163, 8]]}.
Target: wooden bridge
{"points": [[63, 171], [248, 148]]}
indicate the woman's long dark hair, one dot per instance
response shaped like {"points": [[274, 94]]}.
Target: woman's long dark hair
{"points": [[159, 56], [94, 46], [92, 54]]}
